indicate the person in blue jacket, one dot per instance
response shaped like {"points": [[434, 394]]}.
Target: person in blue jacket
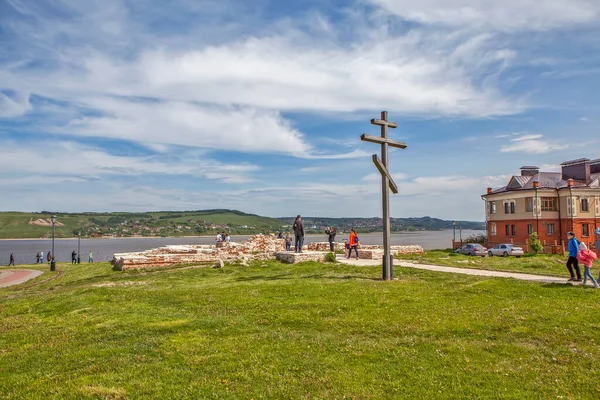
{"points": [[572, 262]]}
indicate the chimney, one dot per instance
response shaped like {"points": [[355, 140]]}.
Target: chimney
{"points": [[536, 184], [570, 182], [578, 170], [595, 166], [529, 171], [489, 190]]}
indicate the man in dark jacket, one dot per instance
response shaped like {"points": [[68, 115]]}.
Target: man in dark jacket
{"points": [[331, 232], [11, 260], [299, 234], [572, 262]]}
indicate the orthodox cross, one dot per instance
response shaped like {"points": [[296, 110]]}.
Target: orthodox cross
{"points": [[387, 183]]}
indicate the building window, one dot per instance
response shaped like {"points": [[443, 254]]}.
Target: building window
{"points": [[529, 229], [529, 204], [514, 230], [512, 207], [506, 208], [493, 229], [549, 204], [585, 205], [585, 229], [493, 207], [550, 228], [507, 230]]}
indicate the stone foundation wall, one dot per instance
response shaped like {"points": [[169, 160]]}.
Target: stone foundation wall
{"points": [[259, 247], [289, 257]]}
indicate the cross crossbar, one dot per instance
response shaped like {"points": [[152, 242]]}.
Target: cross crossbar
{"points": [[383, 170], [382, 122], [380, 140]]}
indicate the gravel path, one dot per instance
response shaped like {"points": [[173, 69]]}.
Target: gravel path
{"points": [[465, 271]]}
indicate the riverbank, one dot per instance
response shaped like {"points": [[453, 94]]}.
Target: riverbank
{"points": [[103, 249]]}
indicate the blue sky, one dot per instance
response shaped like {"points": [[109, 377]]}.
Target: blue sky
{"points": [[133, 105]]}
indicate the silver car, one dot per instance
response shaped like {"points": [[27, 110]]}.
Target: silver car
{"points": [[471, 249], [505, 250]]}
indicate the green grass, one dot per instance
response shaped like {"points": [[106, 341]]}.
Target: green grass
{"points": [[16, 224], [302, 331], [541, 264]]}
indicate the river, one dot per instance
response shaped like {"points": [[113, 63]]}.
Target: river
{"points": [[103, 249]]}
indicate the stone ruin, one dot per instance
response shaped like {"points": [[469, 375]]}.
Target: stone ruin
{"points": [[259, 247]]}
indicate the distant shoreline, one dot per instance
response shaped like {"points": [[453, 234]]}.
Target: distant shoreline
{"points": [[213, 235]]}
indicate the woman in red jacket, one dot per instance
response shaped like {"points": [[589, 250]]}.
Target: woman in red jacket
{"points": [[353, 243]]}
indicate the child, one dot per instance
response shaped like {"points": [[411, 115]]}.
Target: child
{"points": [[288, 242], [353, 243], [587, 257]]}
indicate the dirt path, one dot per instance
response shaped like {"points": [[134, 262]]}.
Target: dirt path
{"points": [[10, 277], [464, 271]]}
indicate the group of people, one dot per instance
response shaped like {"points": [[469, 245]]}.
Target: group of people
{"points": [[39, 258], [579, 253], [223, 237], [298, 228]]}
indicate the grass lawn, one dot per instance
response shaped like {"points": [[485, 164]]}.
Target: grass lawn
{"points": [[541, 264], [302, 331]]}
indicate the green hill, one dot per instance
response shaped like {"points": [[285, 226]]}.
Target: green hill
{"points": [[122, 224]]}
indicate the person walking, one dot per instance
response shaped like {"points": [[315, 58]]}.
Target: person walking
{"points": [[49, 257], [42, 257], [11, 260], [331, 232], [572, 262], [74, 257], [353, 243], [90, 257], [587, 257], [299, 234], [597, 233], [288, 242], [37, 258]]}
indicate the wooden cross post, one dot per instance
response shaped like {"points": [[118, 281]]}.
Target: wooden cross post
{"points": [[387, 183]]}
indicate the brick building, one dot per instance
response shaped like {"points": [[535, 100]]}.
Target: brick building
{"points": [[549, 203]]}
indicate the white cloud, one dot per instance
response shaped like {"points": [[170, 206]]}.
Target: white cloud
{"points": [[533, 144], [241, 129], [51, 162], [495, 14], [14, 106]]}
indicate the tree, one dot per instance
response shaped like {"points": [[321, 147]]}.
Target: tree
{"points": [[534, 243]]}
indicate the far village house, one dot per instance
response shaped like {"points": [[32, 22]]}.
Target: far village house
{"points": [[549, 203]]}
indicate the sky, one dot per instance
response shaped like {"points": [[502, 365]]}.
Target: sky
{"points": [[145, 105]]}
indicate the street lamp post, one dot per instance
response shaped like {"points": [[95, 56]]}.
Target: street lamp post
{"points": [[78, 247], [460, 232], [453, 234], [52, 264]]}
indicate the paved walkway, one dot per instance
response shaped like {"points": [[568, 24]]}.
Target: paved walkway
{"points": [[9, 277], [465, 271]]}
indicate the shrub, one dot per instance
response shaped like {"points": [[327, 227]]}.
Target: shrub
{"points": [[330, 257], [481, 239], [534, 243]]}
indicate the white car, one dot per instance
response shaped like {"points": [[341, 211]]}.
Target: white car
{"points": [[506, 250]]}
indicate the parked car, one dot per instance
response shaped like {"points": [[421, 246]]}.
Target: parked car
{"points": [[505, 250], [472, 249]]}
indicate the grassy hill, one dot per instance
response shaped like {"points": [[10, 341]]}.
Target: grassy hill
{"points": [[375, 224], [314, 331], [161, 223]]}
